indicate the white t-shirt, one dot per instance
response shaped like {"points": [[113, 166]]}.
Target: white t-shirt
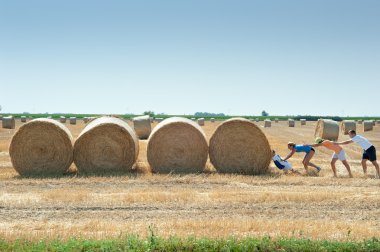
{"points": [[283, 165], [363, 142]]}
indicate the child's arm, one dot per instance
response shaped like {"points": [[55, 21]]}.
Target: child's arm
{"points": [[313, 145], [344, 142], [289, 155]]}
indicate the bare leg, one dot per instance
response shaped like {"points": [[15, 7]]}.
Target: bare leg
{"points": [[364, 165], [333, 167], [345, 163], [306, 161], [377, 168]]}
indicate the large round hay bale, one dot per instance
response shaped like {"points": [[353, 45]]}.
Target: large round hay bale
{"points": [[377, 121], [347, 125], [23, 118], [8, 122], [159, 119], [62, 119], [177, 145], [367, 125], [360, 121], [85, 119], [303, 121], [291, 123], [1, 117], [267, 123], [239, 146], [142, 126], [373, 122], [201, 122], [106, 144], [276, 120], [73, 120], [327, 129], [41, 147], [257, 120], [212, 120]]}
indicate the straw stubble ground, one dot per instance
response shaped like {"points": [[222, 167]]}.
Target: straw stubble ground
{"points": [[201, 205]]}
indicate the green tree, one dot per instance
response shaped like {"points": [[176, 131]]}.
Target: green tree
{"points": [[264, 113]]}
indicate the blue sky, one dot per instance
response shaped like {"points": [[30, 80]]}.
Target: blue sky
{"points": [[179, 57]]}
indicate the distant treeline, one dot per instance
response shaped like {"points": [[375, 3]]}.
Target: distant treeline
{"points": [[197, 115]]}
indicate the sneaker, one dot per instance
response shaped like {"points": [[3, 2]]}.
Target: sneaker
{"points": [[318, 169]]}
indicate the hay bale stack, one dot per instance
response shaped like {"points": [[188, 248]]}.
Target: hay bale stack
{"points": [[106, 144], [267, 123], [327, 129], [201, 122], [239, 146], [142, 126], [9, 122], [62, 119], [42, 147], [347, 125], [73, 120], [303, 121], [212, 120], [177, 145], [23, 118], [367, 126], [291, 123]]}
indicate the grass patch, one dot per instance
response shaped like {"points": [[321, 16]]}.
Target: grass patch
{"points": [[154, 243]]}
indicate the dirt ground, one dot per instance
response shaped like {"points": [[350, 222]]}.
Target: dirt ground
{"points": [[212, 205]]}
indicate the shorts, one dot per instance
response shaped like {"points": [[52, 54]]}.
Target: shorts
{"points": [[370, 153], [341, 155]]}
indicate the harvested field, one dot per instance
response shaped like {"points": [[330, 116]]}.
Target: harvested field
{"points": [[209, 204]]}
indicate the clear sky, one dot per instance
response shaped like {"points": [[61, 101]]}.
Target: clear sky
{"points": [[179, 57]]}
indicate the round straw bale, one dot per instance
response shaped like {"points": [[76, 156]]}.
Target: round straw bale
{"points": [[142, 126], [291, 123], [367, 125], [23, 118], [347, 125], [85, 119], [373, 122], [239, 146], [257, 120], [106, 144], [42, 147], [303, 121], [212, 119], [159, 119], [177, 145], [62, 119], [9, 122], [1, 117], [360, 121], [73, 120], [193, 119], [267, 123], [378, 122], [327, 129], [201, 122], [276, 120]]}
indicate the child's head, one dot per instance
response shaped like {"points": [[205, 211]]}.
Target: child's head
{"points": [[319, 140], [291, 145], [352, 133]]}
